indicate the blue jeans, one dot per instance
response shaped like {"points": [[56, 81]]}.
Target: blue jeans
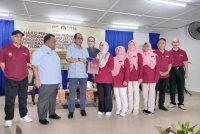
{"points": [[73, 83]]}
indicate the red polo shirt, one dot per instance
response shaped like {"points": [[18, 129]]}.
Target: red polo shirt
{"points": [[179, 57], [15, 60], [123, 75], [165, 60], [137, 74], [151, 75], [105, 73]]}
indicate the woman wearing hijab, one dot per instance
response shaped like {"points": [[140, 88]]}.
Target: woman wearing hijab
{"points": [[104, 79], [120, 74], [151, 73], [136, 65]]}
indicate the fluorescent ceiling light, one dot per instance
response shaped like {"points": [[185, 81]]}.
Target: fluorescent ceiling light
{"points": [[126, 24], [175, 3], [125, 27], [66, 21], [4, 14]]}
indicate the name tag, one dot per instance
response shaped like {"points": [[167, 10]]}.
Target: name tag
{"points": [[167, 56], [180, 55], [24, 54], [10, 54]]}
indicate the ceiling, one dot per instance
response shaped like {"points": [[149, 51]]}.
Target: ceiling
{"points": [[150, 16]]}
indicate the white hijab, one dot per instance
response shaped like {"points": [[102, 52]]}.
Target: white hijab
{"points": [[104, 55]]}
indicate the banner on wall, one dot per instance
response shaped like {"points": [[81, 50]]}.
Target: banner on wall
{"points": [[34, 35], [35, 32]]}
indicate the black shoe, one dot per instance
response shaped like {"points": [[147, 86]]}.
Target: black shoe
{"points": [[83, 113], [163, 108], [54, 116], [148, 113], [145, 111], [44, 122], [70, 115]]}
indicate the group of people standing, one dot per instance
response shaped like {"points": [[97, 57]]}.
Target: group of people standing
{"points": [[155, 70], [120, 75]]}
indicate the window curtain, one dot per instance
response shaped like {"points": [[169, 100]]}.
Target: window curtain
{"points": [[6, 29], [153, 39], [118, 38]]}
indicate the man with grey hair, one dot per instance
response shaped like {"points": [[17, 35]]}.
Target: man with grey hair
{"points": [[178, 74]]}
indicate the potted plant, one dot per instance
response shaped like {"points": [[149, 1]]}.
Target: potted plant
{"points": [[180, 129]]}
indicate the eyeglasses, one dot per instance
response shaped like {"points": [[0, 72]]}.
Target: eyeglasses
{"points": [[79, 38], [91, 41], [175, 41]]}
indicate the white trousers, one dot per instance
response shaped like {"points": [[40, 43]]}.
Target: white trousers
{"points": [[149, 91], [121, 99], [133, 95]]}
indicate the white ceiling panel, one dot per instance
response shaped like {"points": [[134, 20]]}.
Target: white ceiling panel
{"points": [[191, 1], [173, 24], [193, 15], [13, 6], [134, 6], [96, 4], [119, 18], [150, 16], [166, 11], [148, 21], [46, 10], [83, 14], [51, 1]]}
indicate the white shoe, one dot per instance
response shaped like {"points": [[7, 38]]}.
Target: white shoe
{"points": [[182, 107], [100, 113], [123, 114], [118, 112], [171, 106], [130, 111], [26, 119], [108, 113], [8, 123], [135, 112]]}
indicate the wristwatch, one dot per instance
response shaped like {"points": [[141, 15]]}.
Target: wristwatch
{"points": [[79, 59]]}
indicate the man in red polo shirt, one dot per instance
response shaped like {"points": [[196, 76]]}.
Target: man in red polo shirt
{"points": [[178, 74], [13, 60], [165, 66]]}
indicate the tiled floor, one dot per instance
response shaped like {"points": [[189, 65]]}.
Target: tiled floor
{"points": [[93, 124]]}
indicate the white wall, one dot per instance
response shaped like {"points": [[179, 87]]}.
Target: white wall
{"points": [[192, 47], [141, 38]]}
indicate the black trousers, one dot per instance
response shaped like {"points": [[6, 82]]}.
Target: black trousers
{"points": [[105, 97], [177, 80], [161, 87], [13, 87]]}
